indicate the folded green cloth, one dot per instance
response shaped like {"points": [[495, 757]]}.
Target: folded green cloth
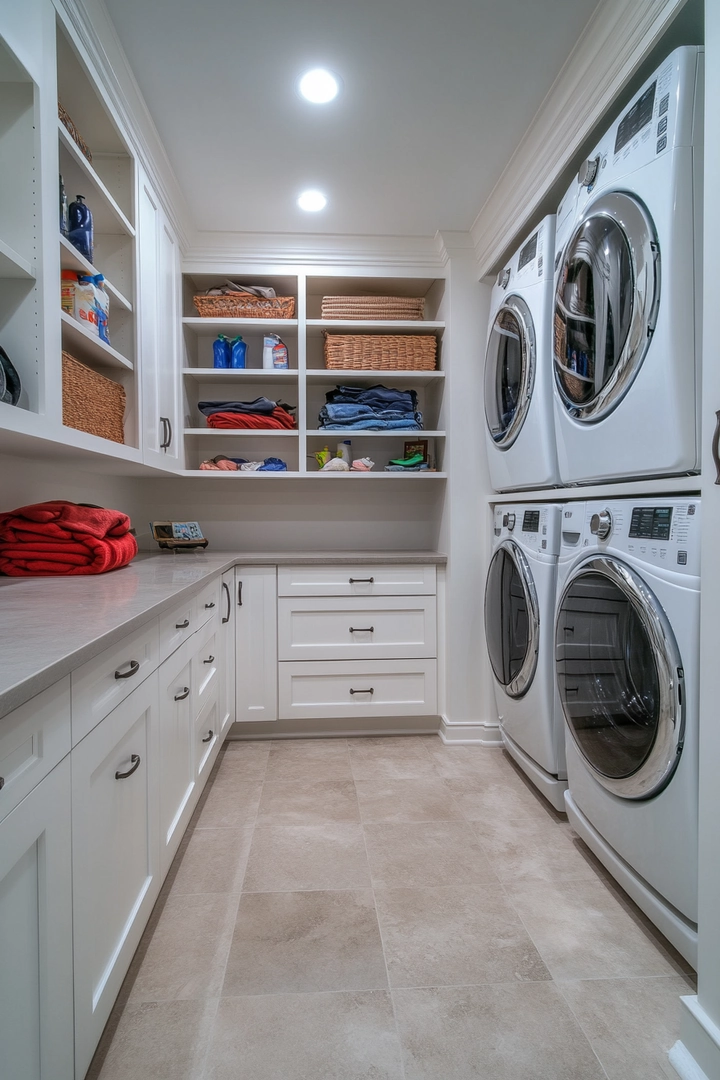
{"points": [[408, 461]]}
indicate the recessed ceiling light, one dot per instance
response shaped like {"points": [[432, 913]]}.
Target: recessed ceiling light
{"points": [[319, 86], [312, 200]]}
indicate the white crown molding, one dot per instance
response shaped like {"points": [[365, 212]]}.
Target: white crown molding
{"points": [[94, 31], [618, 36]]}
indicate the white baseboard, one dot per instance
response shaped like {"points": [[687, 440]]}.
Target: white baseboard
{"points": [[696, 1055], [476, 732]]}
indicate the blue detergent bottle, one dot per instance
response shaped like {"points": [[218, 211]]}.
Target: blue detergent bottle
{"points": [[238, 350], [80, 233], [221, 352]]}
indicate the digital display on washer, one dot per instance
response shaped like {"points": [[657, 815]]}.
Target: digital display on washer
{"points": [[651, 522], [636, 118], [531, 521], [529, 252]]}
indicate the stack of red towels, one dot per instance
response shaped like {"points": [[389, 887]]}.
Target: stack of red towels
{"points": [[64, 538], [278, 418]]}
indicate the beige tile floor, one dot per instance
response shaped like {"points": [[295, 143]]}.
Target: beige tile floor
{"points": [[389, 909]]}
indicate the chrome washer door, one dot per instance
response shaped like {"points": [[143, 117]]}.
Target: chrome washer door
{"points": [[512, 619], [620, 678], [509, 371], [607, 292]]}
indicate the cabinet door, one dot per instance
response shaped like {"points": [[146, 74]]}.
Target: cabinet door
{"points": [[36, 1011], [256, 642], [159, 317], [176, 771], [115, 856], [226, 702]]}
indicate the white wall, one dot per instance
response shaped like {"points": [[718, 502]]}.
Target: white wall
{"points": [[31, 480]]}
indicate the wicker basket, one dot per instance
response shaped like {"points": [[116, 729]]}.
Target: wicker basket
{"points": [[74, 133], [91, 402], [245, 306], [373, 307], [375, 352]]}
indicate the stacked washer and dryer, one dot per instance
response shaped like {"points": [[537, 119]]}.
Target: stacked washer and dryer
{"points": [[591, 377]]}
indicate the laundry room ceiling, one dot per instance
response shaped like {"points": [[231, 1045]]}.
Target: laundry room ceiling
{"points": [[435, 96]]}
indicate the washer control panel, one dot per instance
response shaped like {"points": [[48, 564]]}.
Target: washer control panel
{"points": [[663, 532]]}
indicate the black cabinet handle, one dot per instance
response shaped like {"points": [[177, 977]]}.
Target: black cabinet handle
{"points": [[209, 736], [182, 625], [210, 660], [226, 618], [239, 593], [210, 605], [362, 629], [181, 697], [2, 782], [134, 764], [167, 432], [370, 690], [364, 580], [133, 670], [715, 442]]}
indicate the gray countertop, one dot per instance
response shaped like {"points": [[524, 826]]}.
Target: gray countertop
{"points": [[50, 625]]}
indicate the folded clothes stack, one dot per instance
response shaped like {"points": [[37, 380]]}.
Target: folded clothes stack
{"points": [[378, 408], [262, 413], [61, 537], [412, 463], [220, 463]]}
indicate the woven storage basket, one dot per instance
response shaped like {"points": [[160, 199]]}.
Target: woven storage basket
{"points": [[91, 402], [375, 352], [373, 307], [245, 306], [75, 135]]}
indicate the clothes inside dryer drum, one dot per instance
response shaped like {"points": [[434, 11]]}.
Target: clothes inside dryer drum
{"points": [[509, 615], [607, 676], [509, 371]]}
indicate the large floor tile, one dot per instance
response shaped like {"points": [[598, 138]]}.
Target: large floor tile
{"points": [[230, 803], [455, 936], [288, 858], [500, 1032], [525, 846], [186, 955], [214, 861], [157, 1041], [307, 802], [246, 760], [309, 759], [305, 941], [430, 854], [406, 800], [631, 1023], [348, 1036], [456, 762], [583, 932], [370, 760]]}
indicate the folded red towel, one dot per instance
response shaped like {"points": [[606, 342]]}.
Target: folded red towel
{"points": [[278, 418], [64, 538], [62, 519]]}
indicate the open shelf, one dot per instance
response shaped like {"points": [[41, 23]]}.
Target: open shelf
{"points": [[71, 259], [13, 265], [219, 326], [248, 433], [89, 346], [81, 178], [315, 327], [359, 476], [346, 375], [250, 375], [361, 433]]}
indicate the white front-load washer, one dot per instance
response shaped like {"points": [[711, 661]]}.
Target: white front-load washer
{"points": [[518, 368], [627, 290], [626, 639], [519, 607]]}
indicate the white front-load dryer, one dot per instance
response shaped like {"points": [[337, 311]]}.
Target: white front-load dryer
{"points": [[518, 368], [627, 290], [627, 639], [519, 607]]}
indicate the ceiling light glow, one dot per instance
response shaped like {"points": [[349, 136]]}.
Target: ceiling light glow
{"points": [[312, 201], [319, 86]]}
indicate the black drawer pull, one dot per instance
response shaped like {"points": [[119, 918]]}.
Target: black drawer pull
{"points": [[134, 668], [210, 605], [182, 625], [181, 697], [2, 782], [370, 690], [209, 736], [210, 660], [363, 580], [134, 764], [362, 629]]}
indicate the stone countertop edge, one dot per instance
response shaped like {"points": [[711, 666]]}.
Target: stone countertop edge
{"points": [[23, 674]]}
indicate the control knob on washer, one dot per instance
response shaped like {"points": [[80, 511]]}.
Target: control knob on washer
{"points": [[588, 172], [601, 524]]}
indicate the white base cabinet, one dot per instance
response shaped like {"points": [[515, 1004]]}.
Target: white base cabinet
{"points": [[358, 688], [256, 642], [176, 768], [36, 961], [226, 688]]}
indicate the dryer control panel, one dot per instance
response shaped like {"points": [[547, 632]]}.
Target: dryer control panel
{"points": [[663, 532], [534, 526]]}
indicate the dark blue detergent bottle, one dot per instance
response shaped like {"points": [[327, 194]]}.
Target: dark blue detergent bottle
{"points": [[238, 350], [80, 234]]}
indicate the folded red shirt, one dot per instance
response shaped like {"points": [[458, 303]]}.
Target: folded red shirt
{"points": [[64, 538], [278, 418]]}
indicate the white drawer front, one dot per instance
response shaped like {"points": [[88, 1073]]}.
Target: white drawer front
{"points": [[205, 661], [177, 626], [33, 739], [343, 689], [207, 741], [207, 602], [342, 629], [402, 580], [99, 686]]}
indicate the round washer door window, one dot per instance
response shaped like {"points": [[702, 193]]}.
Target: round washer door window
{"points": [[511, 619], [607, 292], [509, 371], [619, 678]]}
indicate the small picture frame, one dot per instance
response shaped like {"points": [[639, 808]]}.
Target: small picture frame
{"points": [[417, 446]]}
